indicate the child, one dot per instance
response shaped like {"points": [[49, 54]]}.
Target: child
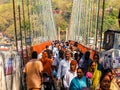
{"points": [[89, 77]]}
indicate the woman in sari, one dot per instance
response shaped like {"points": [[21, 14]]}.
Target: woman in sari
{"points": [[47, 64], [96, 74], [99, 65], [79, 82], [105, 82]]}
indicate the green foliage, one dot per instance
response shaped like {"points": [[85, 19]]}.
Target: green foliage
{"points": [[110, 22], [110, 18], [66, 7], [27, 25], [7, 18], [111, 15], [61, 20]]}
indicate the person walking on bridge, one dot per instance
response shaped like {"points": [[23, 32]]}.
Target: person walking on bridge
{"points": [[70, 74], [47, 68], [33, 73], [85, 61], [64, 65], [47, 64]]}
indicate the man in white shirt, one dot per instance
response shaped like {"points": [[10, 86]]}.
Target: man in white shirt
{"points": [[70, 74], [55, 50], [57, 59], [64, 65]]}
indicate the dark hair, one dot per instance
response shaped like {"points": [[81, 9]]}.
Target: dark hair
{"points": [[47, 46], [105, 71], [61, 54], [92, 63], [81, 69], [87, 55], [67, 43], [76, 44], [76, 56], [80, 54], [96, 55], [71, 54], [102, 77], [34, 55]]}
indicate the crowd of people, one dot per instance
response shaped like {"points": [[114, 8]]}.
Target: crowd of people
{"points": [[65, 67]]}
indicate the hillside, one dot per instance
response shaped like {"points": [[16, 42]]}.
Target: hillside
{"points": [[7, 19], [66, 7], [62, 18], [110, 19]]}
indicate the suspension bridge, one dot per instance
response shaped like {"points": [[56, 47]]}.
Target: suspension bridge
{"points": [[39, 29], [83, 23]]}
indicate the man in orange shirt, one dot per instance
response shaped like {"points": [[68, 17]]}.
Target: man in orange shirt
{"points": [[33, 72]]}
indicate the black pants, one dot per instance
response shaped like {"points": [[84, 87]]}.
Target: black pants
{"points": [[62, 87]]}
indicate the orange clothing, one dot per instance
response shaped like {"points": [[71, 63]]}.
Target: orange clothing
{"points": [[33, 71], [47, 63]]}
